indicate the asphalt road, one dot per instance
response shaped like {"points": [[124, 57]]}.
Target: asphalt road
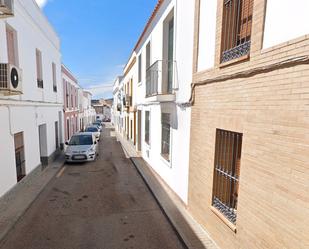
{"points": [[99, 205]]}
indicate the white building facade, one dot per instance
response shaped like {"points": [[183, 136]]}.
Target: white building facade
{"points": [[87, 114], [156, 84], [31, 102]]}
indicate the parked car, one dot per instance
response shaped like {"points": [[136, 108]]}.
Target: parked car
{"points": [[95, 130], [98, 124], [82, 147]]}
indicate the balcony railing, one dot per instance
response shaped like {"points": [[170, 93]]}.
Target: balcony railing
{"points": [[236, 29], [160, 78], [128, 100]]}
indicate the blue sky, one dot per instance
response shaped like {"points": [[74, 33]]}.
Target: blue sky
{"points": [[97, 36]]}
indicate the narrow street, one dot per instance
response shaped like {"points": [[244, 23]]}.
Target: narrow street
{"points": [[99, 205]]}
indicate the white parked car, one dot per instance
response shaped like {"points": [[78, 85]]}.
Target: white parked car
{"points": [[82, 147], [95, 130]]}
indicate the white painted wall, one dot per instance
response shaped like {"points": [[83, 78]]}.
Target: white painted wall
{"points": [[174, 173], [207, 34], [36, 106], [285, 20]]}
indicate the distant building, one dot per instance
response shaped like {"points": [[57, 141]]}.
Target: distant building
{"points": [[103, 108], [78, 113]]}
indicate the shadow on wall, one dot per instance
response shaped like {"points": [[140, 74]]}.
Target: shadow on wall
{"points": [[171, 108]]}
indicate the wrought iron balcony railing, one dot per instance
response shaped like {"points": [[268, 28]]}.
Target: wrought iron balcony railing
{"points": [[160, 78], [127, 100]]}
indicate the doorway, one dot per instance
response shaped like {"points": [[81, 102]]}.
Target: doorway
{"points": [[43, 145], [20, 156]]}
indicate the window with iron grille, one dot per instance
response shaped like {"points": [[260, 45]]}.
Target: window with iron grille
{"points": [[226, 173], [166, 136], [236, 29], [147, 127]]}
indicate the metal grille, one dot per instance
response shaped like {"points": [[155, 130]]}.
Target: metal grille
{"points": [[166, 135], [147, 127], [152, 79], [236, 29], [226, 173], [159, 78], [3, 76]]}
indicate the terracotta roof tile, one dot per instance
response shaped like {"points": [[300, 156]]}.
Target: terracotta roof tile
{"points": [[153, 15]]}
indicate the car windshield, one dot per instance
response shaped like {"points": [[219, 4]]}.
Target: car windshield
{"points": [[81, 140], [91, 129]]}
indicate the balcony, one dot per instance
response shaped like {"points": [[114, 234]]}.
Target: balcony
{"points": [[160, 81], [128, 100]]}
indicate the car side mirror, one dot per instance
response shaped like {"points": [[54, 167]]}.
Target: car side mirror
{"points": [[66, 143]]}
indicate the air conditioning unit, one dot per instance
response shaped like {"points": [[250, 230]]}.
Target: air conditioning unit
{"points": [[6, 8], [10, 79]]}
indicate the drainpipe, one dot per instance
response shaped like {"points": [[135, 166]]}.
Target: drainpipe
{"points": [[10, 119]]}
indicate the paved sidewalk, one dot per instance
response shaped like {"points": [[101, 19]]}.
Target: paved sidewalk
{"points": [[16, 202], [193, 235]]}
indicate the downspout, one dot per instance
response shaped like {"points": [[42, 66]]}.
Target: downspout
{"points": [[10, 118]]}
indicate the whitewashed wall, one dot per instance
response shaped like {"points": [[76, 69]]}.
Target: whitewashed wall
{"points": [[36, 106], [174, 173], [285, 20], [207, 34]]}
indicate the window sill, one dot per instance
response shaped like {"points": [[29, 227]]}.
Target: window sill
{"points": [[225, 220], [234, 61]]}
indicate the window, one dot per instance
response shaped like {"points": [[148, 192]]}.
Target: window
{"points": [[71, 94], [147, 127], [11, 37], [39, 71], [168, 54], [68, 129], [148, 55], [166, 136], [54, 70], [139, 68], [236, 29], [226, 173], [66, 94], [20, 156], [170, 61]]}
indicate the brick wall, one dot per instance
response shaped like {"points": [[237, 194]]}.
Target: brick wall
{"points": [[271, 109]]}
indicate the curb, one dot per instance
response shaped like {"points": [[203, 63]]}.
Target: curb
{"points": [[160, 206]]}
